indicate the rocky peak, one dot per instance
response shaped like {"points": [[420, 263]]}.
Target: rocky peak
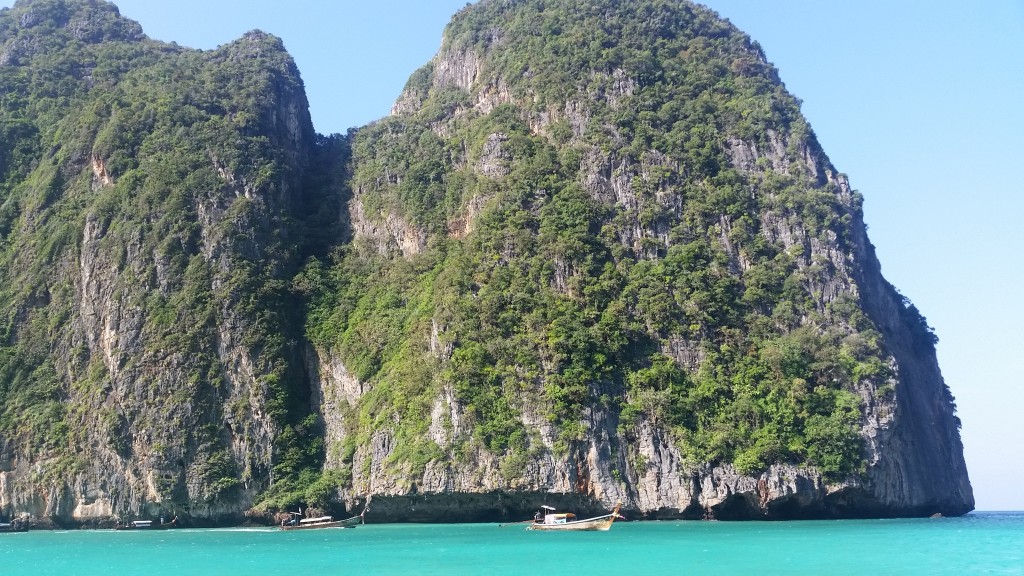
{"points": [[257, 44], [33, 27], [89, 21]]}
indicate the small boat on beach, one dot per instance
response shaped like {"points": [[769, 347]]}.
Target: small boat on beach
{"points": [[299, 523], [564, 521]]}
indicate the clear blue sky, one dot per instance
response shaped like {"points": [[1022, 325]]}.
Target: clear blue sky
{"points": [[920, 103]]}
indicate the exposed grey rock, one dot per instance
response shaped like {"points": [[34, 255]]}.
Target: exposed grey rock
{"points": [[493, 161], [458, 69], [388, 232]]}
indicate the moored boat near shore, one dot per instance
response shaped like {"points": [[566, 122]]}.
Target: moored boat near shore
{"points": [[565, 521], [147, 525], [15, 525], [320, 522]]}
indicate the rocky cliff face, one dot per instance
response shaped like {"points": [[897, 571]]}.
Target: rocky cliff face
{"points": [[595, 254], [645, 183], [161, 362]]}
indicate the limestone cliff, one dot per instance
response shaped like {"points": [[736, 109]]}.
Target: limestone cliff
{"points": [[676, 131], [158, 355], [594, 254]]}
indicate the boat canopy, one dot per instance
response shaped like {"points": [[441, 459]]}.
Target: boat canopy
{"points": [[320, 519]]}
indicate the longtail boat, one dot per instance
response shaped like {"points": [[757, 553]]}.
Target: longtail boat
{"points": [[567, 521], [15, 525], [147, 525], [321, 522]]}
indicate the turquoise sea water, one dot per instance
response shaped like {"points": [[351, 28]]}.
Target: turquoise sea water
{"points": [[980, 543]]}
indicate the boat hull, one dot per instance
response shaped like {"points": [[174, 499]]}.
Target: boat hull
{"points": [[598, 524], [579, 525]]}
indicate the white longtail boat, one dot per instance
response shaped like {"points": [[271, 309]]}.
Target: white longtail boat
{"points": [[320, 522], [567, 521]]}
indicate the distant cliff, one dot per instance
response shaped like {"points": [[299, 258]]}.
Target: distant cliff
{"points": [[595, 254]]}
